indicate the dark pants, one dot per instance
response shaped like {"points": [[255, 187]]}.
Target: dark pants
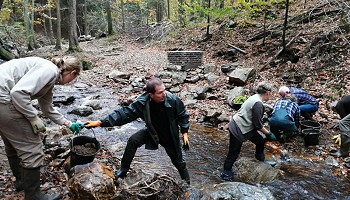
{"points": [[235, 149], [143, 137]]}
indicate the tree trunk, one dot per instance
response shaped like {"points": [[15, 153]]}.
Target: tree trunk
{"points": [[208, 18], [86, 30], [109, 17], [159, 14], [123, 14], [27, 25], [73, 35], [51, 36], [168, 6], [181, 13], [58, 34], [32, 25], [285, 26]]}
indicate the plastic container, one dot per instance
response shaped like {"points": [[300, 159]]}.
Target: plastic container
{"points": [[79, 159], [311, 137], [309, 124]]}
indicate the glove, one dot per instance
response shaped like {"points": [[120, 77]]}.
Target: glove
{"points": [[76, 127], [91, 124], [37, 125], [270, 136], [186, 145], [337, 139]]}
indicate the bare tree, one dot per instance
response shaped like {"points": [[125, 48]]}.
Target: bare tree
{"points": [[109, 17], [58, 24], [27, 22], [73, 35]]}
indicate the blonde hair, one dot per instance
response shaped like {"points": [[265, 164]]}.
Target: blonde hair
{"points": [[68, 63]]}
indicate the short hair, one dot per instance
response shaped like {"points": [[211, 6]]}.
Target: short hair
{"points": [[68, 63], [151, 85], [291, 97], [283, 91], [263, 87]]}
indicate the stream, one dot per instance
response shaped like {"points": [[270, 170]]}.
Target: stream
{"points": [[303, 177]]}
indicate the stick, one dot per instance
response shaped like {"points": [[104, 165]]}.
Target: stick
{"points": [[238, 49]]}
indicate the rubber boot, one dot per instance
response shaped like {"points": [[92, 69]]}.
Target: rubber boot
{"points": [[121, 173], [227, 175], [185, 176], [31, 182], [344, 147], [260, 156], [16, 171]]}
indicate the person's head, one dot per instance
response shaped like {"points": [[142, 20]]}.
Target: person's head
{"points": [[70, 68], [264, 90], [283, 91], [291, 97], [156, 90]]}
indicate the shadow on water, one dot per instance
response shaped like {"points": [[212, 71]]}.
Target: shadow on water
{"points": [[304, 179]]}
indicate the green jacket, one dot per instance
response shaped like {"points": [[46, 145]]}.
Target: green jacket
{"points": [[176, 111]]}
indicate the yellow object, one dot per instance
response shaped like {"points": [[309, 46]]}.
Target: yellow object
{"points": [[337, 139], [186, 141], [90, 124]]}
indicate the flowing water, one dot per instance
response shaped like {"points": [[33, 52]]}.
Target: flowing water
{"points": [[304, 178]]}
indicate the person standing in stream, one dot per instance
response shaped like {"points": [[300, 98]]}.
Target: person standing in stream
{"points": [[21, 81], [165, 116]]}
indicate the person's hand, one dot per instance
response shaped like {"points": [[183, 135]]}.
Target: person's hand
{"points": [[186, 145], [91, 124], [37, 125], [270, 136], [337, 139], [76, 127]]}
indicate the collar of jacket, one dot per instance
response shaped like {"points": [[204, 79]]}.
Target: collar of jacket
{"points": [[59, 77]]}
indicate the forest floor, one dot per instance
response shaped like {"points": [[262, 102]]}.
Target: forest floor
{"points": [[317, 59]]}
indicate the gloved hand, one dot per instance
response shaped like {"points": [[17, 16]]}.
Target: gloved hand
{"points": [[37, 125], [270, 136], [76, 127], [186, 145], [91, 124], [337, 139]]}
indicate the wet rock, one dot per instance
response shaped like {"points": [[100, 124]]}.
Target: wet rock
{"points": [[94, 104], [252, 171], [237, 190], [82, 111], [92, 181], [63, 99], [118, 75]]}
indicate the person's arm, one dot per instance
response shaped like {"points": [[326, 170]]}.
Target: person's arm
{"points": [[258, 113], [182, 115], [123, 115]]}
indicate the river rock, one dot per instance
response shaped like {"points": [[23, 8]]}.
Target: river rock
{"points": [[82, 111], [237, 190], [240, 76], [252, 171], [232, 94], [93, 181]]}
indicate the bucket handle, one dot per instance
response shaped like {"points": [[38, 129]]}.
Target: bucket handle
{"points": [[77, 134]]}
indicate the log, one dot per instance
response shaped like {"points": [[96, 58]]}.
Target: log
{"points": [[6, 55], [238, 49]]}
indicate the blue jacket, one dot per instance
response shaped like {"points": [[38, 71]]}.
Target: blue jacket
{"points": [[175, 108]]}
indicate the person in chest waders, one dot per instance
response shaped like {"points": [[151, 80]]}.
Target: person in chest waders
{"points": [[285, 117], [22, 80], [165, 116], [245, 125]]}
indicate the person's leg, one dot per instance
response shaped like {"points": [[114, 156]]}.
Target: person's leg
{"points": [[259, 142], [344, 126], [177, 160], [233, 152], [20, 138], [134, 142]]}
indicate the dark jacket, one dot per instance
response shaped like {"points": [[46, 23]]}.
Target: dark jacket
{"points": [[176, 111]]}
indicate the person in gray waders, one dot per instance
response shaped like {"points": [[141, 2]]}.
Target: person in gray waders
{"points": [[343, 109], [22, 80], [284, 120], [245, 125], [165, 116]]}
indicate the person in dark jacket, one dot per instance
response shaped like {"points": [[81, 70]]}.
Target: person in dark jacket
{"points": [[245, 125], [165, 116], [343, 109]]}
